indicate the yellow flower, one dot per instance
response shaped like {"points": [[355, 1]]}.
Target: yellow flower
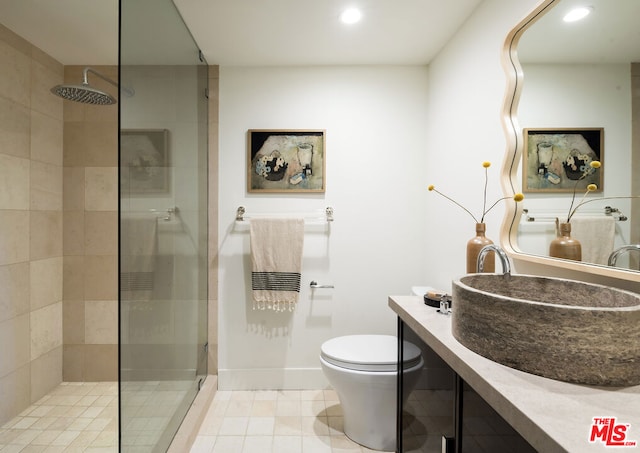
{"points": [[486, 164]]}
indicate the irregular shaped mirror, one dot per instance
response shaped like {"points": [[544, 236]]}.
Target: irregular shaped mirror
{"points": [[574, 80]]}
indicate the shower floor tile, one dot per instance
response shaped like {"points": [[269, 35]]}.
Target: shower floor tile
{"points": [[148, 408], [73, 417]]}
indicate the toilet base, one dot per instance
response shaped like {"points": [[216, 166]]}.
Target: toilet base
{"points": [[368, 403], [369, 434]]}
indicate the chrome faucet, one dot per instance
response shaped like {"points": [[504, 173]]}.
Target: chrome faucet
{"points": [[620, 250], [504, 259]]}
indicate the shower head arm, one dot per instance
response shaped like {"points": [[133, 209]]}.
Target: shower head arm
{"points": [[85, 80]]}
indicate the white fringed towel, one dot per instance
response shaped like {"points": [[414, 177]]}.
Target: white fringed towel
{"points": [[276, 262], [596, 235]]}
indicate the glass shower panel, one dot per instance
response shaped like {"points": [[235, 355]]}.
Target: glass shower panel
{"points": [[163, 223]]}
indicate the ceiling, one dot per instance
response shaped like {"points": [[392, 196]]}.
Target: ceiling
{"points": [[307, 32], [83, 32], [247, 32], [610, 34]]}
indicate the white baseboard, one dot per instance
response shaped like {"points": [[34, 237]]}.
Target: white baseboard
{"points": [[272, 379]]}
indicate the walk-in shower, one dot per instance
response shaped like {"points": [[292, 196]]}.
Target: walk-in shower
{"points": [[58, 301], [104, 343]]}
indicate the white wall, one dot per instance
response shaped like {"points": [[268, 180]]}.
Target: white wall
{"points": [[389, 135], [466, 89], [376, 158]]}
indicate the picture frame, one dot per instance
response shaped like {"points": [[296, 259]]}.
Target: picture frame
{"points": [[145, 161], [557, 159], [286, 161]]}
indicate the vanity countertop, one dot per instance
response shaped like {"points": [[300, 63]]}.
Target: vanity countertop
{"points": [[553, 416]]}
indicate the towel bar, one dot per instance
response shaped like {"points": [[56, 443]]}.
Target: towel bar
{"points": [[328, 215], [165, 214], [314, 285], [608, 211]]}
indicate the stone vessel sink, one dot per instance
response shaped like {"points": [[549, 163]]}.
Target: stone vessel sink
{"points": [[560, 329]]}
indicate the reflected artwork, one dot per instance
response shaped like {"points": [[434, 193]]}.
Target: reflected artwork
{"points": [[558, 160]]}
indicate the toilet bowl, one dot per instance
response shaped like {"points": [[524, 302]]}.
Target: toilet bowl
{"points": [[362, 369]]}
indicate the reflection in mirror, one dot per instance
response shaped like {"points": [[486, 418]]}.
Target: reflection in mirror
{"points": [[582, 75]]}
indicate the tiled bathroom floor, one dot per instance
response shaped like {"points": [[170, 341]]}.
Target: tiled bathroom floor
{"points": [[74, 417], [274, 422]]}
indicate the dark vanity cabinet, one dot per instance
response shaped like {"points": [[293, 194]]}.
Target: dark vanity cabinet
{"points": [[443, 414]]}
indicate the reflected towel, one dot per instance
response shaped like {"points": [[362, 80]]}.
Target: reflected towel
{"points": [[139, 239], [596, 235], [276, 262]]}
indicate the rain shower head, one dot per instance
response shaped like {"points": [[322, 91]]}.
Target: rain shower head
{"points": [[85, 93]]}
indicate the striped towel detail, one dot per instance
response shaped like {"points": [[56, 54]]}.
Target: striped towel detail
{"points": [[276, 262], [136, 281], [279, 281]]}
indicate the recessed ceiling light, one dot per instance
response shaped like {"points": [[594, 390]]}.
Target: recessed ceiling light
{"points": [[577, 13], [351, 16]]}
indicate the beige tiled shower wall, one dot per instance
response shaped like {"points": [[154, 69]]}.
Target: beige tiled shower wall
{"points": [[90, 244], [31, 224]]}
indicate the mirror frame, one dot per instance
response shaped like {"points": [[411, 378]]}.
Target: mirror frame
{"points": [[513, 156]]}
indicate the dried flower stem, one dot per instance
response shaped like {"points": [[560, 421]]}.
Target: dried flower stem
{"points": [[517, 197], [486, 182], [573, 198], [455, 202], [493, 206], [594, 165]]}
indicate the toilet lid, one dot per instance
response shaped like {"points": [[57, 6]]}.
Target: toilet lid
{"points": [[368, 352]]}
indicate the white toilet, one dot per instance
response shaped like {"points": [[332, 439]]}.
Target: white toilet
{"points": [[362, 370]]}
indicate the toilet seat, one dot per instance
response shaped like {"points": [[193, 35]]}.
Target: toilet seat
{"points": [[368, 353]]}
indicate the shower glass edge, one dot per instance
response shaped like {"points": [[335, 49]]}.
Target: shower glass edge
{"points": [[162, 278]]}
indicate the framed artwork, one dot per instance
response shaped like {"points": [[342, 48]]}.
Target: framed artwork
{"points": [[557, 160], [286, 161], [144, 161]]}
